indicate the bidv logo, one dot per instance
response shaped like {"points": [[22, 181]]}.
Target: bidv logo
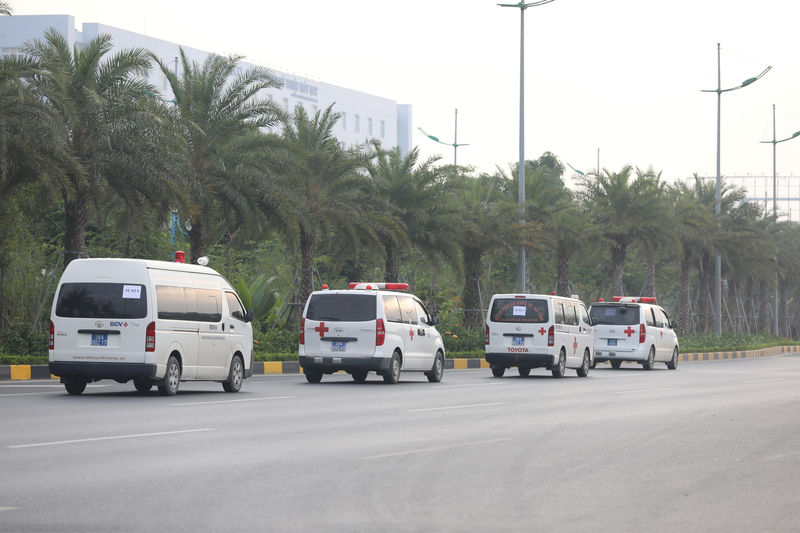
{"points": [[116, 324]]}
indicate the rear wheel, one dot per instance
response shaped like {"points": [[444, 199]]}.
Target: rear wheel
{"points": [[142, 384], [615, 364], [235, 376], [561, 367], [75, 387], [498, 371], [172, 379], [313, 376], [436, 373], [359, 376], [651, 357], [524, 371], [583, 371], [392, 374], [672, 364]]}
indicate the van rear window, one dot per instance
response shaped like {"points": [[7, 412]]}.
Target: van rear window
{"points": [[528, 311], [614, 315], [342, 307], [102, 300]]}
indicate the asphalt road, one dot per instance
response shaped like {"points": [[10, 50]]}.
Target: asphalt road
{"points": [[713, 446]]}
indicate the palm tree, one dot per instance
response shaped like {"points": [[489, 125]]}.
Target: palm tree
{"points": [[108, 121], [5, 8], [216, 109]]}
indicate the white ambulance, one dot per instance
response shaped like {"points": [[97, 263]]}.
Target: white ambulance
{"points": [[634, 329], [538, 330], [371, 327], [153, 322]]}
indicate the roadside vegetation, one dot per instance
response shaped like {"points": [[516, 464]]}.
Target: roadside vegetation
{"points": [[95, 162]]}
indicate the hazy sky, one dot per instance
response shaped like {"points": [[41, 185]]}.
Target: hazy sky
{"points": [[623, 76]]}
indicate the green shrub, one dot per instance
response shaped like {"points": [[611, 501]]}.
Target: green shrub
{"points": [[460, 339], [277, 341], [729, 341], [21, 340]]}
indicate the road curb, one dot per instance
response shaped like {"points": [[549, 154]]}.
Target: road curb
{"points": [[29, 372]]}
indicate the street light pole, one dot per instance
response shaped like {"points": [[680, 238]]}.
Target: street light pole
{"points": [[774, 142], [455, 144], [718, 270], [522, 277]]}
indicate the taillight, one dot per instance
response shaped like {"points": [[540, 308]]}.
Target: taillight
{"points": [[487, 334], [52, 335], [302, 331], [150, 338], [380, 332], [551, 336], [642, 334]]}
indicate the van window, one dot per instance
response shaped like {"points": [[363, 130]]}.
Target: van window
{"points": [[423, 313], [234, 306], [408, 309], [558, 311], [570, 314], [209, 305], [662, 321], [342, 307], [391, 308], [187, 303], [584, 316], [527, 311], [615, 315], [648, 317], [102, 300]]}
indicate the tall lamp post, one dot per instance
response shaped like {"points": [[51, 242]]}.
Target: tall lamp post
{"points": [[718, 271], [774, 142], [454, 144], [522, 281]]}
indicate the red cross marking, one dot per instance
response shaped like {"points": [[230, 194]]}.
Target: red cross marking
{"points": [[321, 329], [575, 345], [662, 334], [542, 331], [630, 331], [411, 333]]}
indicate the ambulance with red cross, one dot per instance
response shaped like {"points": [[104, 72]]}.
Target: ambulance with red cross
{"points": [[372, 327], [634, 329], [538, 330]]}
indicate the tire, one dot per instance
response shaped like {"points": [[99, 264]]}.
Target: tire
{"points": [[672, 364], [436, 373], [524, 371], [392, 374], [594, 364], [235, 376], [498, 371], [561, 368], [360, 376], [172, 378], [615, 364], [313, 376], [583, 371], [75, 387], [143, 385], [650, 361]]}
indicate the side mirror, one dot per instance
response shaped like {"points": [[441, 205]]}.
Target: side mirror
{"points": [[248, 316], [434, 321], [673, 325]]}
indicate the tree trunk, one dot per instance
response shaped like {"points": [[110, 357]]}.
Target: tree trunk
{"points": [[618, 259], [197, 238], [783, 323], [684, 316], [75, 217], [749, 309], [649, 288], [392, 262], [764, 315], [733, 298], [704, 312], [306, 264], [563, 274], [471, 300]]}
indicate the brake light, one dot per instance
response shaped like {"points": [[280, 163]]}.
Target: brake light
{"points": [[551, 336], [642, 334], [52, 336], [380, 332], [302, 331], [150, 338], [487, 333]]}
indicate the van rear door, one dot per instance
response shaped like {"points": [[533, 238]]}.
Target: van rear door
{"points": [[616, 327], [341, 324], [518, 325]]}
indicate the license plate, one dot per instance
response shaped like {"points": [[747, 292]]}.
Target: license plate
{"points": [[99, 339], [518, 341], [338, 346], [612, 342]]}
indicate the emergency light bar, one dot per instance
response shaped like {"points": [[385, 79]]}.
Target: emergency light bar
{"points": [[379, 286], [631, 299]]}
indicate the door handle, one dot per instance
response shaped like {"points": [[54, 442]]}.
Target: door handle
{"points": [[231, 326]]}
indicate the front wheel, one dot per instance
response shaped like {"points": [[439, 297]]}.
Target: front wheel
{"points": [[172, 379], [235, 376], [583, 371], [498, 371], [672, 364], [560, 368], [436, 373], [75, 387], [392, 375]]}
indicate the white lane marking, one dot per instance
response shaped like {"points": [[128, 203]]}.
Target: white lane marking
{"points": [[113, 437], [8, 509], [433, 449], [767, 380], [642, 390], [26, 385], [27, 393], [779, 456], [454, 407], [468, 385], [236, 401]]}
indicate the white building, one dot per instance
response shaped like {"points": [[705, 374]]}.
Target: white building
{"points": [[364, 116]]}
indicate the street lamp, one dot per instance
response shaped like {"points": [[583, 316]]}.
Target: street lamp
{"points": [[774, 142], [522, 281], [455, 144], [718, 271]]}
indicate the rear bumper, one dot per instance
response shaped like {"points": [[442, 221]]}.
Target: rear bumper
{"points": [[529, 360], [610, 355], [329, 365], [70, 370]]}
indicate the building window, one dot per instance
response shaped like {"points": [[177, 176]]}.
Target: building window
{"points": [[357, 126], [383, 129], [344, 121], [12, 52], [286, 104], [369, 125]]}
